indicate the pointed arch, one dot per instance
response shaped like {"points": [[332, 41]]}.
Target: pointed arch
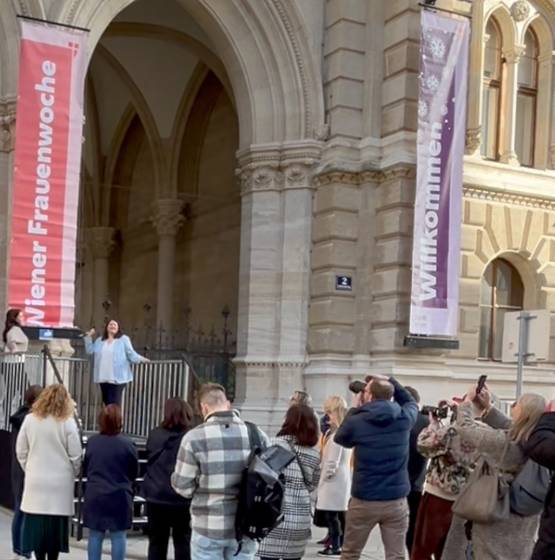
{"points": [[276, 81], [148, 123]]}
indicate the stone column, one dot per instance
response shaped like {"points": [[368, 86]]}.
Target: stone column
{"points": [[478, 40], [274, 272], [7, 142], [507, 132], [167, 219], [101, 241], [543, 130]]}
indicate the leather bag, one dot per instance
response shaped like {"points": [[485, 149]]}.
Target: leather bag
{"points": [[485, 498]]}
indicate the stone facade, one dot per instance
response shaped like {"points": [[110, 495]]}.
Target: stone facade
{"points": [[245, 153]]}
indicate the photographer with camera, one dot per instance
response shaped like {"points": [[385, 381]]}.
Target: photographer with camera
{"points": [[451, 461], [379, 433]]}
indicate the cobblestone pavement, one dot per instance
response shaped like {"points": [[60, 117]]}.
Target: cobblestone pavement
{"points": [[137, 545]]}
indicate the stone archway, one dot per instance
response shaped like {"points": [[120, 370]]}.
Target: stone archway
{"points": [[278, 96], [275, 79]]}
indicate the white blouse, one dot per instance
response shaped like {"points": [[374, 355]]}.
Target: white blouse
{"points": [[17, 340], [106, 370]]}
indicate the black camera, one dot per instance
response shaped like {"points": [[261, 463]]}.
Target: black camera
{"points": [[356, 387], [439, 412]]}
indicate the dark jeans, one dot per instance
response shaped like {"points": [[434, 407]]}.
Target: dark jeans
{"points": [[414, 501], [111, 393], [162, 520], [17, 527], [335, 527]]}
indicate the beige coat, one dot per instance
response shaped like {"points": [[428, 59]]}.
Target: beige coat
{"points": [[334, 489], [49, 452]]}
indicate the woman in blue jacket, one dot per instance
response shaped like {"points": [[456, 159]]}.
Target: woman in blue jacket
{"points": [[113, 356], [110, 467]]}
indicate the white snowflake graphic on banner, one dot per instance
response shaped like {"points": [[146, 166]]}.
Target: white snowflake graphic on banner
{"points": [[422, 108], [444, 110], [437, 47], [432, 82]]}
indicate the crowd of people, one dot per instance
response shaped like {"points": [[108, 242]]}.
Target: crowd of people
{"points": [[457, 481]]}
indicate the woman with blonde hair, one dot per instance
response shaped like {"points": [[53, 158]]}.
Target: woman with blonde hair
{"points": [[334, 488], [48, 449], [505, 447]]}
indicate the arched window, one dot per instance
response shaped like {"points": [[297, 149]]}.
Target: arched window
{"points": [[527, 100], [501, 291], [491, 91]]}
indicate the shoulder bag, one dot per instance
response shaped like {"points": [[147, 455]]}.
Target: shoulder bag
{"points": [[485, 498]]}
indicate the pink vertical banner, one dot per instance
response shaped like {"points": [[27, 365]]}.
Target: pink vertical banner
{"points": [[439, 176], [49, 123]]}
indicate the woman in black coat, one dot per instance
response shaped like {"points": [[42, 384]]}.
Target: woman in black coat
{"points": [[541, 448], [110, 467], [18, 476], [167, 511]]}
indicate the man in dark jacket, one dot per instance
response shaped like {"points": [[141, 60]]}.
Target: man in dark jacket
{"points": [[379, 433], [416, 468], [541, 448]]}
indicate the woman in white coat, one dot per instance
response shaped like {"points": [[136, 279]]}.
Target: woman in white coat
{"points": [[48, 449], [334, 489]]}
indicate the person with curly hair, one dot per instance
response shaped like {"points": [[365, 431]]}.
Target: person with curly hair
{"points": [[49, 451]]}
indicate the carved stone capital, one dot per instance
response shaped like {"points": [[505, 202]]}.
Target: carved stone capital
{"points": [[275, 167], [260, 177], [7, 126], [101, 241], [297, 176], [472, 140], [520, 10], [167, 216], [513, 54]]}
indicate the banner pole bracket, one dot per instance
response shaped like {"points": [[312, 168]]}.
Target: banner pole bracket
{"points": [[50, 22], [444, 10]]}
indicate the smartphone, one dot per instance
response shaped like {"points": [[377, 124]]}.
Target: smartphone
{"points": [[481, 382]]}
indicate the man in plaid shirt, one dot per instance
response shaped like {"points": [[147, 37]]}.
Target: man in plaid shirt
{"points": [[208, 471]]}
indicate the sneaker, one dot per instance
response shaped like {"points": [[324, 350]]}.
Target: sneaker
{"points": [[329, 551]]}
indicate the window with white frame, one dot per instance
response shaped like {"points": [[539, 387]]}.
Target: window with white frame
{"points": [[491, 95], [526, 101], [501, 291]]}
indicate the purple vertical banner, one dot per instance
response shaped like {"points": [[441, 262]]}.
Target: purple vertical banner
{"points": [[439, 175]]}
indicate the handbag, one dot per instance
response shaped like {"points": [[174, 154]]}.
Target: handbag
{"points": [[319, 518], [485, 498]]}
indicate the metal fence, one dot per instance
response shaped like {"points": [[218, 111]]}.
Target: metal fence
{"points": [[143, 402]]}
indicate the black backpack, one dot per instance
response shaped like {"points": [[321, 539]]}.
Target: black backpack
{"points": [[262, 488]]}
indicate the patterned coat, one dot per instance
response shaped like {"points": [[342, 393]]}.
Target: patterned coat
{"points": [[289, 539], [208, 470]]}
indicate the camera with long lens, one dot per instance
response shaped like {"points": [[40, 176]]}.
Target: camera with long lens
{"points": [[439, 412]]}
